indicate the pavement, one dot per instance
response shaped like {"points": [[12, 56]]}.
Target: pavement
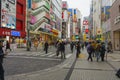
{"points": [[76, 69]]}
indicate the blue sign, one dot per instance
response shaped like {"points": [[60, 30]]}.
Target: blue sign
{"points": [[75, 11], [70, 10], [29, 3], [15, 33]]}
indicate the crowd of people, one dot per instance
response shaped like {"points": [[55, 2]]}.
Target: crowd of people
{"points": [[94, 49]]}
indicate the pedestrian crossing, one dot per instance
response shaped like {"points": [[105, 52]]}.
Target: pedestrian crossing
{"points": [[40, 54]]}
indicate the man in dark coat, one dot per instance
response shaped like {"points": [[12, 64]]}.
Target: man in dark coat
{"points": [[63, 50], [102, 51], [78, 49], [71, 46], [46, 45]]}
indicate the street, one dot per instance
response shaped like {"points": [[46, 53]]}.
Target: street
{"points": [[25, 62], [53, 68]]}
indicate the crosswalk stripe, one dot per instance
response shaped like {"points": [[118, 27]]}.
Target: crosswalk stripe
{"points": [[67, 56], [46, 54], [51, 55]]}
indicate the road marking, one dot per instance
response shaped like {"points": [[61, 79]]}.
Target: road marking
{"points": [[35, 58], [52, 55], [46, 54], [67, 56]]}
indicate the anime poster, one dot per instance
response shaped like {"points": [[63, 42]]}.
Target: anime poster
{"points": [[8, 14]]}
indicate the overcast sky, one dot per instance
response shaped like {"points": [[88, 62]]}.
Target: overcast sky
{"points": [[82, 5]]}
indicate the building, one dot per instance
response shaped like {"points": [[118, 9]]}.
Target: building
{"points": [[13, 20], [40, 28], [64, 20], [56, 18], [97, 19], [75, 19], [115, 24], [91, 21], [45, 23]]}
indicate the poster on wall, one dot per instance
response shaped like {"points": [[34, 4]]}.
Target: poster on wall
{"points": [[8, 14]]}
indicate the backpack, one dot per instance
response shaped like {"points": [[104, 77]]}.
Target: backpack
{"points": [[89, 48]]}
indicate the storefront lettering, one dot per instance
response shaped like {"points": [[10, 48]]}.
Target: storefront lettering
{"points": [[5, 33]]}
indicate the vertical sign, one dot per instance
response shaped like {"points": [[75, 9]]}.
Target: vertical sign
{"points": [[8, 14], [29, 4]]}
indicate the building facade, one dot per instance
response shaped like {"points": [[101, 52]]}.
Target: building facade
{"points": [[40, 28], [105, 19], [56, 7], [64, 20], [13, 20], [115, 25], [97, 18]]}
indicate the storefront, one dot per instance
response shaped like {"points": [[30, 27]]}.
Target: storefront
{"points": [[115, 25]]}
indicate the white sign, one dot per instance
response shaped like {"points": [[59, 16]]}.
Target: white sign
{"points": [[8, 14]]}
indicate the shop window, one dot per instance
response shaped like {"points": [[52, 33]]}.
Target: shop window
{"points": [[19, 8]]}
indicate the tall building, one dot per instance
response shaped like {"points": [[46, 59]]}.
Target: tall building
{"points": [[97, 18], [56, 8], [45, 20], [13, 20], [105, 19], [115, 25], [75, 23], [64, 20], [91, 21]]}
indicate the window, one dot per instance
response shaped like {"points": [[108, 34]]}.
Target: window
{"points": [[19, 8]]}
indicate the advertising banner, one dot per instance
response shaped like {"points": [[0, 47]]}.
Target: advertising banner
{"points": [[8, 14], [70, 12]]}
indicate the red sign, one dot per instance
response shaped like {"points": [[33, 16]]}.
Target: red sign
{"points": [[86, 30], [85, 22], [5, 32], [64, 4]]}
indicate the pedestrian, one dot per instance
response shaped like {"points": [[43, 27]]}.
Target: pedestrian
{"points": [[58, 48], [94, 47], [8, 46], [46, 45], [78, 49], [63, 50], [1, 62], [109, 48], [98, 46], [89, 50], [71, 46], [102, 51], [36, 44]]}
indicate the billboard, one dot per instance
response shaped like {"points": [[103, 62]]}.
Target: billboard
{"points": [[8, 14], [64, 4], [70, 12]]}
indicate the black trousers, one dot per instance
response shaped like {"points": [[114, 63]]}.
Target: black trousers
{"points": [[102, 56], [90, 56], [1, 68], [1, 72], [46, 50], [63, 56]]}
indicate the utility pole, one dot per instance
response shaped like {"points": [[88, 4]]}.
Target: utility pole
{"points": [[29, 2]]}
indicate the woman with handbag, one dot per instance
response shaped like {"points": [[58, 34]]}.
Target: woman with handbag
{"points": [[1, 61]]}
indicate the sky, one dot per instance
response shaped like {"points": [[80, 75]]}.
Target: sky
{"points": [[82, 5]]}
